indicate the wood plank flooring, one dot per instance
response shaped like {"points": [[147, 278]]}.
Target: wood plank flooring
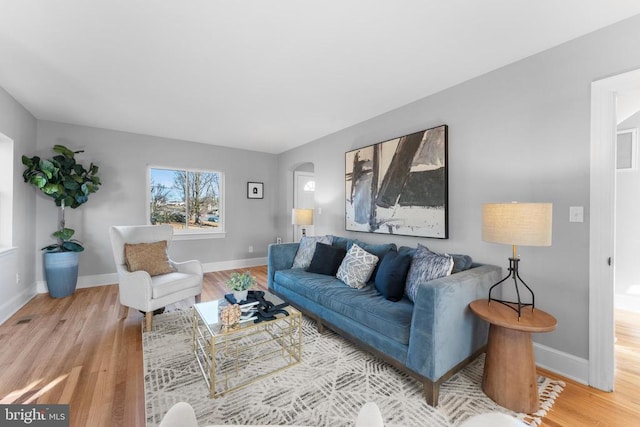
{"points": [[75, 350]]}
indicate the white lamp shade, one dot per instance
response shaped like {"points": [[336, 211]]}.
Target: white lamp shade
{"points": [[302, 216], [527, 224]]}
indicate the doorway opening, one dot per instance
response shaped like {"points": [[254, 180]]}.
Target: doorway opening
{"points": [[603, 255], [304, 186]]}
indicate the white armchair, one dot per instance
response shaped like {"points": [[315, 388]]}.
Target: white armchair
{"points": [[143, 292]]}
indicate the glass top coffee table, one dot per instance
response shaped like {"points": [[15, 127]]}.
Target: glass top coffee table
{"points": [[234, 357]]}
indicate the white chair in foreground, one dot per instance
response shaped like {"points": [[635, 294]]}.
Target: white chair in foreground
{"points": [[148, 279], [181, 415]]}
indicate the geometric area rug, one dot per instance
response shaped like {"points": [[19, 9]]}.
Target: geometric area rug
{"points": [[328, 388]]}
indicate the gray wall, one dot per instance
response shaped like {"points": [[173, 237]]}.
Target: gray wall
{"points": [[19, 125], [627, 229], [519, 133], [121, 200]]}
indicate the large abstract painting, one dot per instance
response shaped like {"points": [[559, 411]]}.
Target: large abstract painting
{"points": [[399, 186]]}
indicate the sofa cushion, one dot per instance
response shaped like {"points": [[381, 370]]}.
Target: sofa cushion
{"points": [[306, 249], [461, 263], [356, 267], [326, 259], [426, 265], [379, 250], [366, 305], [392, 275], [149, 257], [341, 242]]}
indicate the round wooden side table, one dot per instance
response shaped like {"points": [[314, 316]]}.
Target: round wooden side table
{"points": [[509, 377]]}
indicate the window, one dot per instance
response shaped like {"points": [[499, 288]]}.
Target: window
{"points": [[626, 150], [191, 201]]}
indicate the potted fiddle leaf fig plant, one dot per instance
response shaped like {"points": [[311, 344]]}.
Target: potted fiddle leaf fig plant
{"points": [[240, 283], [69, 185]]}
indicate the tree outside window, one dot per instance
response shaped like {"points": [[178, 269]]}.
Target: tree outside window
{"points": [[187, 200]]}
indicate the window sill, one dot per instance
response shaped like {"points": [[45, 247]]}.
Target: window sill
{"points": [[198, 236]]}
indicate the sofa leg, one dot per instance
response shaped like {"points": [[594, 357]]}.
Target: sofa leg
{"points": [[148, 318], [320, 326], [431, 392], [198, 298]]}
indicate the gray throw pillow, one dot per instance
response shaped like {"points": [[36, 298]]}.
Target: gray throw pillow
{"points": [[356, 268], [426, 265], [307, 248]]}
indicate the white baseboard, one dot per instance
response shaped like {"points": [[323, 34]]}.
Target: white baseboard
{"points": [[234, 264], [112, 278], [561, 363], [9, 308]]}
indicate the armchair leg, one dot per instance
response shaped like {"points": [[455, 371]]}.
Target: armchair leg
{"points": [[198, 298], [148, 320], [124, 311]]}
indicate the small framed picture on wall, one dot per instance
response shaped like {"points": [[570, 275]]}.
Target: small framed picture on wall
{"points": [[255, 190]]}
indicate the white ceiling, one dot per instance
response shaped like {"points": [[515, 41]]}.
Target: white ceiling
{"points": [[265, 75]]}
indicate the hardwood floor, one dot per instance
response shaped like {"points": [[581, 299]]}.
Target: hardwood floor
{"points": [[75, 350]]}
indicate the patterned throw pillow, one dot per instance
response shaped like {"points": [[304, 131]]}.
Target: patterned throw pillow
{"points": [[426, 265], [307, 248], [149, 257], [356, 267]]}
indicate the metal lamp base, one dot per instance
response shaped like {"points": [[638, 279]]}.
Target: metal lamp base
{"points": [[513, 273]]}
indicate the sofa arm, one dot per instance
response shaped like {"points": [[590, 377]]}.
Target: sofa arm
{"points": [[444, 332], [280, 257], [134, 288]]}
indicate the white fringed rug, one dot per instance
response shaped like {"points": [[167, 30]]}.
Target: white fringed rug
{"points": [[328, 388]]}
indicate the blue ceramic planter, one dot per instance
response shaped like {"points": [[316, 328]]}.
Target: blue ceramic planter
{"points": [[61, 272]]}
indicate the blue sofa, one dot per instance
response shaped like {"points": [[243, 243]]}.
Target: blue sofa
{"points": [[430, 340]]}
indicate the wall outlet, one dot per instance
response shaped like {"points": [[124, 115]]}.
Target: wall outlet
{"points": [[278, 240], [250, 249]]}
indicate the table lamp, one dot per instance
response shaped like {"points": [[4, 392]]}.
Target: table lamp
{"points": [[302, 217], [514, 224]]}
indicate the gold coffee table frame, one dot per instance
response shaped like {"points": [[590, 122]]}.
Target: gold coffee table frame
{"points": [[231, 358]]}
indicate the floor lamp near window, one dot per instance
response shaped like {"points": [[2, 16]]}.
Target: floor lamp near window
{"points": [[525, 224], [302, 217]]}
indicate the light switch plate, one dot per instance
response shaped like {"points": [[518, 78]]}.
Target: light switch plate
{"points": [[576, 214]]}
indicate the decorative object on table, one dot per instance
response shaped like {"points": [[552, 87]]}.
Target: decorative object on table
{"points": [[527, 224], [399, 186], [257, 307], [255, 190], [329, 382], [69, 185], [230, 315], [240, 283], [302, 217]]}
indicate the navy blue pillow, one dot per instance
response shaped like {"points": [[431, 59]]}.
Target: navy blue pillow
{"points": [[461, 263], [326, 259], [392, 275]]}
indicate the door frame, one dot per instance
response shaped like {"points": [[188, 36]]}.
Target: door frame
{"points": [[602, 226], [297, 174]]}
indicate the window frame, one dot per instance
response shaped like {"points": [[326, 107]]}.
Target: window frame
{"points": [[634, 149], [192, 234]]}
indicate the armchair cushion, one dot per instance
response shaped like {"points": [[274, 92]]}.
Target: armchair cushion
{"points": [[167, 284], [149, 257]]}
